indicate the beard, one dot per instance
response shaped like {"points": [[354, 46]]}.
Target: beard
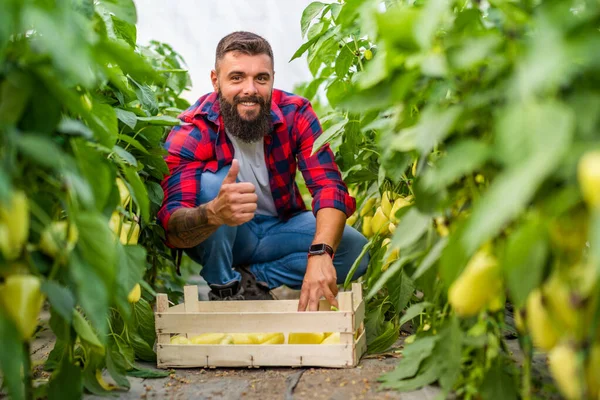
{"points": [[249, 131]]}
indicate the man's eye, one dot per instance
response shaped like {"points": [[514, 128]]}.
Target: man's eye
{"points": [[236, 78], [263, 78]]}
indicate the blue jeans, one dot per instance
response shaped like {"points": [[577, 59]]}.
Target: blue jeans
{"points": [[275, 250]]}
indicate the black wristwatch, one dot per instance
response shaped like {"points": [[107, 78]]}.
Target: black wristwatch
{"points": [[320, 248]]}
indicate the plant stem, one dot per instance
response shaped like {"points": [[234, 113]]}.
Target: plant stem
{"points": [[27, 378], [527, 349]]}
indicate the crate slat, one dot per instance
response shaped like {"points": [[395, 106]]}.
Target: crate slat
{"points": [[162, 305], [360, 347], [255, 306], [246, 322], [186, 356]]}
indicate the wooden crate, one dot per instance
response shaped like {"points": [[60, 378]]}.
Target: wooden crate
{"points": [[195, 317]]}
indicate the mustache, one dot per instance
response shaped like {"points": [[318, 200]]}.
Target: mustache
{"points": [[254, 99]]}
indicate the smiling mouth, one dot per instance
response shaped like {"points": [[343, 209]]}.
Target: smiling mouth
{"points": [[248, 104]]}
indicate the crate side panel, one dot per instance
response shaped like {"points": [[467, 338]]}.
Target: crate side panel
{"points": [[318, 321], [186, 356]]}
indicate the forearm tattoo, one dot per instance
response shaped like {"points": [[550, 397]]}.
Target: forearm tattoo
{"points": [[189, 226]]}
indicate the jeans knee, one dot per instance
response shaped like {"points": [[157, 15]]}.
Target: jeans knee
{"points": [[210, 184]]}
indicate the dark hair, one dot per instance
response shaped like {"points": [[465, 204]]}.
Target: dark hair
{"points": [[245, 42]]}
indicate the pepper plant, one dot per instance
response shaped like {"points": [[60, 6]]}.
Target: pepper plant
{"points": [[478, 116], [83, 115]]}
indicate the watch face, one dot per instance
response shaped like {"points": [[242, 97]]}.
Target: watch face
{"points": [[317, 249], [320, 248]]}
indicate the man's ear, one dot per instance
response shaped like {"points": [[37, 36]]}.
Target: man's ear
{"points": [[214, 80]]}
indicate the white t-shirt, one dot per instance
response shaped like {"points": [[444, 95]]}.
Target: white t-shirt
{"points": [[253, 169]]}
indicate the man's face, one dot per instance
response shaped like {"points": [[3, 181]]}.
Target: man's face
{"points": [[245, 83]]}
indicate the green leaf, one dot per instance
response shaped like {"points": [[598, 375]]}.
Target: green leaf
{"points": [[96, 168], [15, 91], [119, 359], [498, 384], [163, 120], [143, 318], [328, 135], [356, 263], [96, 242], [91, 384], [122, 9], [309, 13], [67, 381], [155, 193], [115, 362], [146, 373], [108, 119], [43, 151], [392, 271], [85, 331], [146, 97], [414, 311], [70, 126], [434, 125], [375, 71], [526, 129], [141, 348], [432, 256], [344, 61], [430, 21], [412, 356], [397, 27], [448, 351], [337, 91], [138, 192], [152, 134], [428, 374], [456, 164], [524, 260], [305, 46], [400, 289], [125, 156], [63, 35], [385, 340], [410, 228], [61, 299], [92, 268], [125, 30], [12, 358], [134, 143], [126, 117]]}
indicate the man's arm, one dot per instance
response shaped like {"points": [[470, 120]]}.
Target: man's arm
{"points": [[234, 205], [189, 227], [320, 278]]}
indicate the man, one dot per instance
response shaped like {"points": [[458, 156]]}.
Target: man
{"points": [[231, 201]]}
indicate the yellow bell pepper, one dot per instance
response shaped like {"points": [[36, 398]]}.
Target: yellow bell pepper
{"points": [[306, 338], [22, 300]]}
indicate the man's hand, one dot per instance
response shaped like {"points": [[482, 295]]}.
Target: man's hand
{"points": [[320, 279], [236, 202]]}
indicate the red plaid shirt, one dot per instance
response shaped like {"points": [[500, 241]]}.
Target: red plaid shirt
{"points": [[201, 145]]}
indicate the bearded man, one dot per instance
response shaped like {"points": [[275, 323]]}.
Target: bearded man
{"points": [[231, 201]]}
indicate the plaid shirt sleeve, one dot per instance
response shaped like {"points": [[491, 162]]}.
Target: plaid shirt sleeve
{"points": [[322, 176], [182, 186]]}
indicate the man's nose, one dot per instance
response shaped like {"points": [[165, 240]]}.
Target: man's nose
{"points": [[250, 87]]}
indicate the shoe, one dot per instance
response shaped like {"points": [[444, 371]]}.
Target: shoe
{"points": [[253, 289], [231, 291]]}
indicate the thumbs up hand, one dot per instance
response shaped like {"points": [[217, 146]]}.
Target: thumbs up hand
{"points": [[236, 202]]}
